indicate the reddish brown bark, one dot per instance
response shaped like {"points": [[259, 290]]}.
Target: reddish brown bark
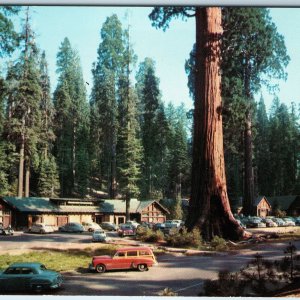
{"points": [[209, 205]]}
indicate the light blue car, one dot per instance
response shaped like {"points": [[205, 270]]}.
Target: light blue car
{"points": [[99, 235]]}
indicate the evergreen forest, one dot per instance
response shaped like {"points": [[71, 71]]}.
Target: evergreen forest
{"points": [[123, 140]]}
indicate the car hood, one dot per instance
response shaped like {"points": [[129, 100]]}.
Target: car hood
{"points": [[102, 257]]}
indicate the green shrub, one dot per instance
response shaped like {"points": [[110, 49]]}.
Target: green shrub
{"points": [[218, 244], [182, 238], [148, 235]]}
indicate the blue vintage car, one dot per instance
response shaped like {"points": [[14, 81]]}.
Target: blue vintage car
{"points": [[29, 276]]}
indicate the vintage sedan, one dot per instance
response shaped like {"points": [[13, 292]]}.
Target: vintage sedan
{"points": [[99, 235], [126, 230], [29, 276], [109, 226], [90, 226], [72, 227], [41, 228], [140, 258]]}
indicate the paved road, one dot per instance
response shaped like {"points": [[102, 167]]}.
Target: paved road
{"points": [[183, 274]]}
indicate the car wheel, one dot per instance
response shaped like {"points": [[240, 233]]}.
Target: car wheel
{"points": [[90, 230], [42, 231], [142, 267], [100, 268]]}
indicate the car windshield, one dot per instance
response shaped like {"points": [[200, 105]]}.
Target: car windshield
{"points": [[43, 267], [125, 227], [120, 254]]}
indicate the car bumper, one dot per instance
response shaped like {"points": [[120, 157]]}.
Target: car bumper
{"points": [[99, 240]]}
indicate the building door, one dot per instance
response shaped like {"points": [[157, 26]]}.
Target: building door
{"points": [[98, 219], [61, 220], [121, 220], [6, 221]]}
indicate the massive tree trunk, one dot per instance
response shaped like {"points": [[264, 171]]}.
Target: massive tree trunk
{"points": [[248, 173], [21, 169], [27, 178], [127, 208], [209, 207]]}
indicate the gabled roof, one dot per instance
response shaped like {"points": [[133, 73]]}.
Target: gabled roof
{"points": [[258, 199], [145, 203], [119, 206], [283, 202]]}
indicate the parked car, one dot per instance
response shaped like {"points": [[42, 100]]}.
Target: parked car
{"points": [[279, 221], [6, 231], [29, 276], [99, 235], [288, 221], [297, 221], [146, 225], [109, 226], [41, 228], [172, 223], [134, 224], [255, 223], [126, 230], [90, 226], [159, 226], [140, 258], [270, 223], [71, 227]]}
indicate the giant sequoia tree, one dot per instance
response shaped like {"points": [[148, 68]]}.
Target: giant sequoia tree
{"points": [[252, 53], [104, 103], [72, 126], [209, 206]]}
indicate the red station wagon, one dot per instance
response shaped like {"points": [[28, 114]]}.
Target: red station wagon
{"points": [[140, 258]]}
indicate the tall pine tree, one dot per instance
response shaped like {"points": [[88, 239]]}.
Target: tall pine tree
{"points": [[72, 127], [23, 123], [104, 104], [129, 148]]}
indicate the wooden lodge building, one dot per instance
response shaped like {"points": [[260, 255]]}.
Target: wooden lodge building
{"points": [[261, 207], [23, 212]]}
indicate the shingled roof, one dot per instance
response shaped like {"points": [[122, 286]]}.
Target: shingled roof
{"points": [[119, 206], [258, 199], [43, 205], [283, 202]]}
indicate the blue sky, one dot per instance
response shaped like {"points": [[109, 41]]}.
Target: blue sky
{"points": [[169, 49], [82, 26]]}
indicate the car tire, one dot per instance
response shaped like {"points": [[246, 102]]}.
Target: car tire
{"points": [[142, 267], [100, 268], [42, 231], [90, 230]]}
